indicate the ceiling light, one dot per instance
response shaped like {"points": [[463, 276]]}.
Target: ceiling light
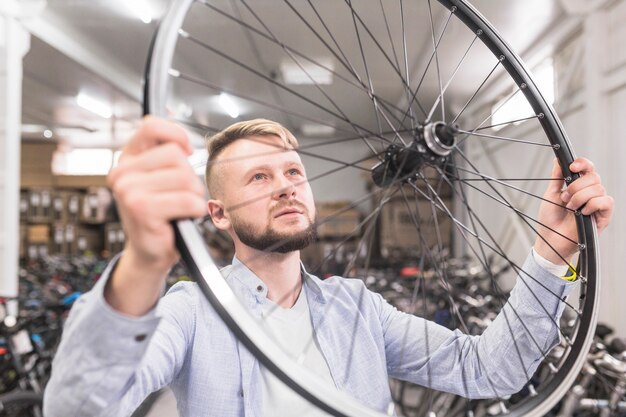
{"points": [[141, 9], [308, 73], [95, 106], [317, 130], [32, 128], [229, 105]]}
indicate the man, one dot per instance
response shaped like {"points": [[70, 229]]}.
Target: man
{"points": [[119, 345]]}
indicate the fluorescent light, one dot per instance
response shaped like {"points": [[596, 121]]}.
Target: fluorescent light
{"points": [[317, 130], [141, 9], [31, 128], [95, 106], [308, 73], [83, 161], [229, 105]]}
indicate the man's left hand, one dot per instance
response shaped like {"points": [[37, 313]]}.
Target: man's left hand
{"points": [[586, 194]]}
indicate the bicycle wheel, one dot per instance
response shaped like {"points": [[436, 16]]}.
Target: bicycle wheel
{"points": [[464, 181], [20, 403]]}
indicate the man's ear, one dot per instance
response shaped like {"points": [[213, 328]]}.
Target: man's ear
{"points": [[218, 215]]}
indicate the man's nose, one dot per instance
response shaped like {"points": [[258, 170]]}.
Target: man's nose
{"points": [[284, 188]]}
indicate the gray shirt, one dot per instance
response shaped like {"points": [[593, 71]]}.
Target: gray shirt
{"points": [[108, 363]]}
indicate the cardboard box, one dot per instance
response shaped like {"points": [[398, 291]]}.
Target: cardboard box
{"points": [[38, 233], [407, 229], [336, 220]]}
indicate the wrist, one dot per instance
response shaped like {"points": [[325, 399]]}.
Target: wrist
{"points": [[551, 254], [135, 286]]}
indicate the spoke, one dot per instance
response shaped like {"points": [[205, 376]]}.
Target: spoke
{"points": [[406, 72], [393, 48], [442, 273], [462, 227], [501, 253], [347, 65], [269, 79], [538, 116], [317, 86], [432, 56], [279, 149], [198, 126], [268, 251], [376, 153], [519, 214], [367, 72], [445, 88], [250, 28], [440, 205], [346, 239], [502, 181], [380, 48], [259, 58], [436, 51], [527, 142], [460, 141], [477, 90], [369, 91], [177, 74], [487, 266], [309, 180]]}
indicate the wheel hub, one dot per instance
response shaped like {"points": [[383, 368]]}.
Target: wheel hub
{"points": [[431, 145]]}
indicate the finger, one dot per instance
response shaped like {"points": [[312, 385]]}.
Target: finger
{"points": [[160, 157], [586, 194], [166, 180], [601, 208], [155, 131], [582, 166], [590, 179]]}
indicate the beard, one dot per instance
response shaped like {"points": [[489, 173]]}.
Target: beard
{"points": [[271, 240]]}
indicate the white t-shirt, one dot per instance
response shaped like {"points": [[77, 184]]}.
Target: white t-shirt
{"points": [[293, 331]]}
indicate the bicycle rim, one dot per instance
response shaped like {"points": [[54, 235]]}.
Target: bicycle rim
{"points": [[168, 83]]}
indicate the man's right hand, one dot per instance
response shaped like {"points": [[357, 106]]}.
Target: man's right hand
{"points": [[153, 184]]}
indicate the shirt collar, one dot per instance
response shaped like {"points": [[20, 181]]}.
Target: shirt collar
{"points": [[256, 286]]}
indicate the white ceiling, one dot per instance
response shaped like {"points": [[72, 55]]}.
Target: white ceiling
{"points": [[98, 46]]}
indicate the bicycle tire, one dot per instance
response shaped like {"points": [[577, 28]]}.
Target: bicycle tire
{"points": [[190, 244], [20, 403]]}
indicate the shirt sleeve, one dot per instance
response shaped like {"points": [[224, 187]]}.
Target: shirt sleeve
{"points": [[497, 363], [107, 362]]}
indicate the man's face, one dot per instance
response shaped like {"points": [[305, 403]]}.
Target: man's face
{"points": [[266, 195]]}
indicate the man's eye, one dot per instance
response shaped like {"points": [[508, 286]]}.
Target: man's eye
{"points": [[258, 177], [294, 172]]}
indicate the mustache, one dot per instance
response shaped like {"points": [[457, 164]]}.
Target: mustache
{"points": [[292, 204]]}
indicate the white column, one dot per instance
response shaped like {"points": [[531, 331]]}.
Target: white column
{"points": [[14, 43], [597, 144]]}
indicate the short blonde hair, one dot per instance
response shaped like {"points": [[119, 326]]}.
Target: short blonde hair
{"points": [[240, 130]]}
